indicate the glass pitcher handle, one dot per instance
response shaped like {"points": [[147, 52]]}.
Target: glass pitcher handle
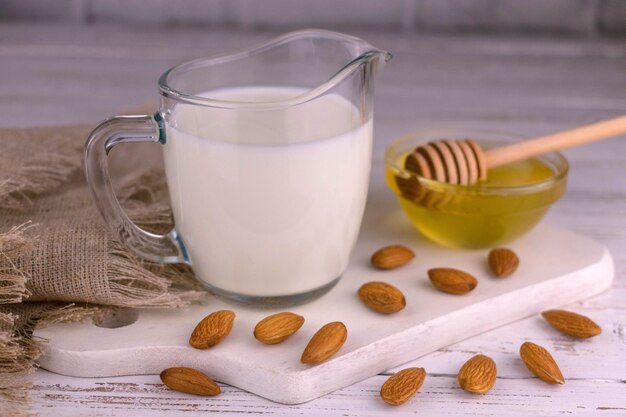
{"points": [[108, 134]]}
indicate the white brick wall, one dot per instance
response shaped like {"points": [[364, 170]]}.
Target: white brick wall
{"points": [[568, 16], [612, 16], [582, 17]]}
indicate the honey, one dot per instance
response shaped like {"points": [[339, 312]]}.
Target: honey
{"points": [[498, 210]]}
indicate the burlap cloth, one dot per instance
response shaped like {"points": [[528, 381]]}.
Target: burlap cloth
{"points": [[58, 262]]}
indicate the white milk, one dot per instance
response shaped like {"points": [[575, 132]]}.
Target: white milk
{"points": [[268, 203]]}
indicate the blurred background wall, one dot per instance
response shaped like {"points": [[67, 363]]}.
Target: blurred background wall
{"points": [[586, 18]]}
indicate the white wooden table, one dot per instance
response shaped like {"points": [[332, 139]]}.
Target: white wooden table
{"points": [[61, 75]]}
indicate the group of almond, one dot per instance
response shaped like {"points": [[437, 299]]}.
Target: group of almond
{"points": [[477, 375], [273, 329]]}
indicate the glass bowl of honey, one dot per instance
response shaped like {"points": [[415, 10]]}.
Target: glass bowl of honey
{"points": [[491, 212]]}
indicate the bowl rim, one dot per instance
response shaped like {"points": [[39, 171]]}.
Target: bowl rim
{"points": [[393, 151]]}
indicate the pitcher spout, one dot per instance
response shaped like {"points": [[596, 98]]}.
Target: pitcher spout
{"points": [[315, 61], [359, 54], [378, 54], [358, 57], [376, 58]]}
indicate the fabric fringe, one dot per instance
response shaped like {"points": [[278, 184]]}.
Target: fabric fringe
{"points": [[19, 349], [139, 283], [12, 285], [14, 241], [133, 282], [12, 280], [14, 399], [46, 170], [37, 176]]}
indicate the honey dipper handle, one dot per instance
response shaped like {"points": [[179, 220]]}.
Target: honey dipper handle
{"points": [[561, 140]]}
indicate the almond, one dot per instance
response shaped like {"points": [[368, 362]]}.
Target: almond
{"points": [[212, 329], [478, 375], [572, 324], [382, 297], [391, 257], [539, 361], [190, 381], [277, 327], [451, 280], [401, 386], [503, 262], [325, 343]]}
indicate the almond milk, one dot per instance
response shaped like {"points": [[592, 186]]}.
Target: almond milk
{"points": [[268, 202]]}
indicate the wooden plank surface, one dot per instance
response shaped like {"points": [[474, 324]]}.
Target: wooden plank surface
{"points": [[59, 75]]}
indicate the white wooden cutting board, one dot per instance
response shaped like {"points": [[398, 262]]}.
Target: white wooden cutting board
{"points": [[557, 267]]}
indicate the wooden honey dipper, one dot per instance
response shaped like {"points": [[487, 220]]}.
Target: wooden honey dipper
{"points": [[463, 162]]}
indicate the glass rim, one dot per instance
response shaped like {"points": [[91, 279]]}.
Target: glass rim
{"points": [[367, 53], [399, 146]]}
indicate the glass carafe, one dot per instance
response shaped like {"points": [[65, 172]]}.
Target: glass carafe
{"points": [[267, 158]]}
